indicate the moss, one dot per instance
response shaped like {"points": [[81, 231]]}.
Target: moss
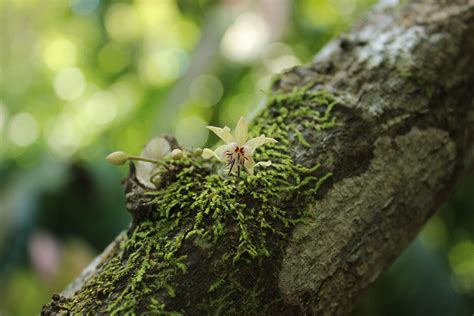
{"points": [[225, 221], [406, 73]]}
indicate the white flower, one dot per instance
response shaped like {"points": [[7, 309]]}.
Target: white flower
{"points": [[149, 160], [238, 150]]}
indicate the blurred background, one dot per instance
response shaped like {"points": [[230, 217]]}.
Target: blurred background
{"points": [[82, 78]]}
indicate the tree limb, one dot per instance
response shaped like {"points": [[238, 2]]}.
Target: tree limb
{"points": [[374, 134]]}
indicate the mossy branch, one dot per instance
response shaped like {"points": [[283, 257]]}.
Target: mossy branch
{"points": [[367, 150]]}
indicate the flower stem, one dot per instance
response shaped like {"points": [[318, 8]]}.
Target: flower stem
{"points": [[143, 159]]}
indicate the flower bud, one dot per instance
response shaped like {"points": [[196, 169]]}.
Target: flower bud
{"points": [[117, 158], [198, 151], [177, 154]]}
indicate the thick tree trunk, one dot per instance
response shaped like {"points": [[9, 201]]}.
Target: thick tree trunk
{"points": [[373, 135]]}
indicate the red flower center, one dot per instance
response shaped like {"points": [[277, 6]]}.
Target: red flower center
{"points": [[239, 150]]}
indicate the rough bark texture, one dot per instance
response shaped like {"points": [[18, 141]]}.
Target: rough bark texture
{"points": [[387, 111]]}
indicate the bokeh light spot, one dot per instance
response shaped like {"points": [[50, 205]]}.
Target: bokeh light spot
{"points": [[157, 14], [434, 234], [206, 90], [282, 63], [187, 33], [122, 22], [263, 83], [127, 94], [461, 259], [320, 13], [69, 83], [246, 38], [22, 129], [235, 107], [102, 108], [191, 131], [59, 52], [163, 66], [113, 57], [62, 135]]}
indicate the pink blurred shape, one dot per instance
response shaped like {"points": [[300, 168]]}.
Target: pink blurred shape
{"points": [[44, 251]]}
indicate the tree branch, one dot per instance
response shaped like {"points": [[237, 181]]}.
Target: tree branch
{"points": [[373, 135]]}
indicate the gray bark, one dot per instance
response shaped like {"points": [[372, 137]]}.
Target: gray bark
{"points": [[405, 77], [408, 145]]}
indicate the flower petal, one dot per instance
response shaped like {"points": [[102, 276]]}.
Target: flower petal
{"points": [[156, 149], [259, 141], [223, 133], [249, 164], [264, 163], [207, 154], [241, 132], [222, 150]]}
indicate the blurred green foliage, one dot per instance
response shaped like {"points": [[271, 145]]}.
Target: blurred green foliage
{"points": [[81, 78]]}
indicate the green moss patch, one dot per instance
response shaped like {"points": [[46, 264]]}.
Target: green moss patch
{"points": [[211, 243]]}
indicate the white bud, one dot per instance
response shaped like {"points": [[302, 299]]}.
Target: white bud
{"points": [[117, 158], [198, 151], [177, 154]]}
